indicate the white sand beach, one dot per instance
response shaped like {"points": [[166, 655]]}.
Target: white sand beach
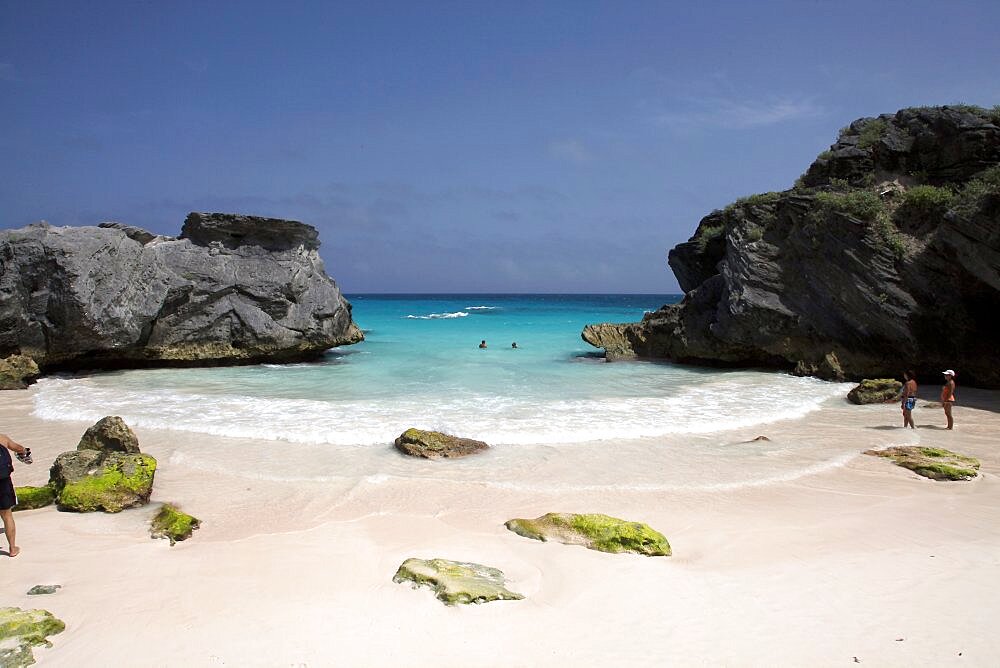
{"points": [[861, 562]]}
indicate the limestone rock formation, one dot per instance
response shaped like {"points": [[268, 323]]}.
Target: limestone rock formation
{"points": [[232, 289], [456, 581], [436, 445], [891, 234], [933, 463], [100, 475], [594, 531], [877, 391], [21, 630], [17, 372], [172, 524]]}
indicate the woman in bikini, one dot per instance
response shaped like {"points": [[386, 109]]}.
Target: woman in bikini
{"points": [[909, 398], [948, 395]]}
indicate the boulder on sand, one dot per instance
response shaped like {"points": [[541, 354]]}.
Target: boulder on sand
{"points": [[594, 531], [877, 391], [103, 473], [456, 581], [436, 445], [29, 498], [17, 372]]}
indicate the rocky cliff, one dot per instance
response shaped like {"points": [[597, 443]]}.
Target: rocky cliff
{"points": [[884, 256], [232, 289]]}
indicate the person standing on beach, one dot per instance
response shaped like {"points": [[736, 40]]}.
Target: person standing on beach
{"points": [[909, 396], [948, 396], [7, 497]]}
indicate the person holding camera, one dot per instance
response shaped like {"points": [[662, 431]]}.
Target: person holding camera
{"points": [[8, 499]]}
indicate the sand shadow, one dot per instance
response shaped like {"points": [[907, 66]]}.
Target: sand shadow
{"points": [[931, 426]]}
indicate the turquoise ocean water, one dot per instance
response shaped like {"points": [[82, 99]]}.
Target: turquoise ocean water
{"points": [[421, 366]]}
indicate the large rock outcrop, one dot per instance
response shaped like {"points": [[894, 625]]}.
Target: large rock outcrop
{"points": [[885, 256], [231, 289]]}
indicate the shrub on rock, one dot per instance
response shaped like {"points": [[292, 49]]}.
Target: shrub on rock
{"points": [[594, 531], [436, 445], [877, 391], [172, 524], [456, 581]]}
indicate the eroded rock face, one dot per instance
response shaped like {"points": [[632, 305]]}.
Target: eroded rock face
{"points": [[456, 582], [594, 531], [105, 473], [232, 289], [933, 463], [889, 239], [877, 391], [436, 445]]}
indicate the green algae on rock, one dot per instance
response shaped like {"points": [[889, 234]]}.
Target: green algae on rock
{"points": [[114, 482], [172, 524], [436, 445], [933, 463], [29, 498], [20, 630], [456, 582], [877, 391], [594, 531]]}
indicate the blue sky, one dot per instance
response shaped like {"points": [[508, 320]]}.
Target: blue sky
{"points": [[458, 146]]}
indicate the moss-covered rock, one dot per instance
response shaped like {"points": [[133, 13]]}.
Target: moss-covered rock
{"points": [[172, 524], [88, 480], [933, 463], [20, 630], [456, 582], [17, 371], [109, 434], [436, 445], [42, 590], [29, 498], [877, 391], [595, 531]]}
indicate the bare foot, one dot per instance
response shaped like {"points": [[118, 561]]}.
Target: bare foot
{"points": [[14, 551]]}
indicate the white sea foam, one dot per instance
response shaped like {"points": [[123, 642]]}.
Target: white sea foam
{"points": [[439, 316], [481, 308], [501, 420]]}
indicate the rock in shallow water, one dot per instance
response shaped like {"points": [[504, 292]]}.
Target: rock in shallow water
{"points": [[456, 582], [16, 372], [594, 531], [933, 463], [20, 630], [436, 445]]}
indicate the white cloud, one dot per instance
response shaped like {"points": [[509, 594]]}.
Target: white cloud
{"points": [[730, 114], [572, 150]]}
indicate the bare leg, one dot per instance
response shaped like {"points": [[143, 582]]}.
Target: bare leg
{"points": [[8, 529], [947, 414], [908, 419]]}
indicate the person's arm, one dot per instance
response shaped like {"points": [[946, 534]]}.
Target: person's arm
{"points": [[11, 444]]}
